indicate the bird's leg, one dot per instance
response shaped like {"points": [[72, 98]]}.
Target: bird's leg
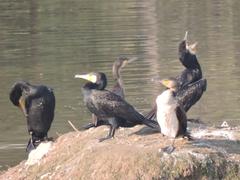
{"points": [[88, 126], [94, 123], [94, 119], [113, 123], [99, 123], [110, 134], [30, 145], [169, 149]]}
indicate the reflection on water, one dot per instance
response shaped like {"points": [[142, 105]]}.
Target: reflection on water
{"points": [[47, 42]]}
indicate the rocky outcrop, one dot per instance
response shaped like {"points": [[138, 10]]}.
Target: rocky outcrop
{"points": [[137, 153]]}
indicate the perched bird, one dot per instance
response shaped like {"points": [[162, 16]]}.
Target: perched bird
{"points": [[118, 87], [190, 84], [170, 115], [109, 108], [120, 63], [188, 58], [187, 96], [37, 104]]}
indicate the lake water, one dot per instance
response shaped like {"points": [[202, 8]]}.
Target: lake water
{"points": [[47, 42]]}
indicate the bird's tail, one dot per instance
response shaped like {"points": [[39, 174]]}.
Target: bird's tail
{"points": [[151, 115], [151, 123]]}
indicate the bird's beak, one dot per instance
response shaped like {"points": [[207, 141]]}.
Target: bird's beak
{"points": [[185, 37], [22, 105], [127, 61], [132, 59], [89, 77], [165, 82]]}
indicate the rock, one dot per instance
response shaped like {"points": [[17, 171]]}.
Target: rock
{"points": [[37, 154], [136, 153]]}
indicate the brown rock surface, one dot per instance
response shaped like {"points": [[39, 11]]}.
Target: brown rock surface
{"points": [[213, 154]]}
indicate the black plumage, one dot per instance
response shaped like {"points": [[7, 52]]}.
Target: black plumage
{"points": [[118, 87], [188, 58], [191, 93], [109, 108], [37, 104], [191, 85]]}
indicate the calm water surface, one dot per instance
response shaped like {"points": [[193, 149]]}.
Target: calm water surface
{"points": [[47, 42]]}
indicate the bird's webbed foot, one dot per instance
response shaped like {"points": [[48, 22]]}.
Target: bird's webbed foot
{"points": [[88, 126], [30, 146], [98, 123], [110, 135], [188, 137], [105, 138], [168, 149]]}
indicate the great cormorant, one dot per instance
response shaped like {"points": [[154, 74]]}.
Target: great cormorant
{"points": [[170, 115], [37, 104], [118, 87], [108, 107], [121, 62], [191, 85], [187, 96], [188, 58]]}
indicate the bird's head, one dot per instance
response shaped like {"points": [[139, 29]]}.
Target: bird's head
{"points": [[97, 78], [120, 63]]}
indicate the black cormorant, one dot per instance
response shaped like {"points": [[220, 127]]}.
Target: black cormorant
{"points": [[170, 115], [121, 62], [37, 104], [108, 107], [118, 87], [191, 85], [188, 58]]}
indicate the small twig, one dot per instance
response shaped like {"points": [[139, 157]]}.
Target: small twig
{"points": [[75, 129], [58, 134]]}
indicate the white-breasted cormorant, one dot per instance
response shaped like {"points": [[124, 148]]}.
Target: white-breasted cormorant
{"points": [[108, 107], [170, 115], [118, 87], [37, 104]]}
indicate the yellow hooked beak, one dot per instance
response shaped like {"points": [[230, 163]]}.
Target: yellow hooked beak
{"points": [[165, 82], [171, 84], [89, 77], [22, 105]]}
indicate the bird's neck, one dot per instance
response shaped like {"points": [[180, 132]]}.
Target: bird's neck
{"points": [[90, 86], [166, 98], [117, 76], [116, 73]]}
